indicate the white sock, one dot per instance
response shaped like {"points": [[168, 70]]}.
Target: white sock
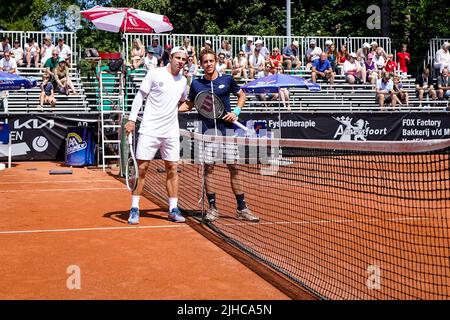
{"points": [[135, 201], [173, 202]]}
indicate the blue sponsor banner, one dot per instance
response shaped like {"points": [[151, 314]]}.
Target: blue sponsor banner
{"points": [[4, 133], [80, 147]]}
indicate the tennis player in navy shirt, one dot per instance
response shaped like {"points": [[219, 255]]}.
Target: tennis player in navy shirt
{"points": [[222, 85]]}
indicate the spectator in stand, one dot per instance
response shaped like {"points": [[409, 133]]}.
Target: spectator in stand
{"points": [[401, 94], [8, 64], [207, 46], [47, 49], [313, 53], [363, 52], [342, 57], [4, 46], [291, 56], [375, 48], [190, 49], [248, 47], [385, 91], [150, 61], [443, 85], [157, 49], [403, 58], [352, 70], [32, 53], [379, 61], [276, 58], [137, 54], [424, 85], [65, 51], [442, 58], [192, 69], [240, 66], [227, 51], [47, 93], [256, 63], [262, 49], [17, 53], [221, 65], [321, 69], [371, 69], [332, 55], [51, 64], [166, 55], [62, 78], [391, 65], [328, 44]]}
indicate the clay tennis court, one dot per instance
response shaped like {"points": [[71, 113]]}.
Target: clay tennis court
{"points": [[50, 223]]}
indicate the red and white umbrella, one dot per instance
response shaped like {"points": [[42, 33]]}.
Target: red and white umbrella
{"points": [[127, 20]]}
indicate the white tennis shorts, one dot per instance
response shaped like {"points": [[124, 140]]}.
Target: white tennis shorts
{"points": [[147, 147], [213, 152]]}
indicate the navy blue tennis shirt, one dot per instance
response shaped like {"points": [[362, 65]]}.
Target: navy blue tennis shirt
{"points": [[223, 85]]}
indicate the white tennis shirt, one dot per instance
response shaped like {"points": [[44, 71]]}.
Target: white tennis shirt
{"points": [[164, 92]]}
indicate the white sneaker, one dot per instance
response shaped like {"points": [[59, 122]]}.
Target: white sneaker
{"points": [[212, 214], [246, 214]]}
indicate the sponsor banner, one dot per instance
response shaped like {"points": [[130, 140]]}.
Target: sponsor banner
{"points": [[80, 146], [42, 137], [346, 126]]}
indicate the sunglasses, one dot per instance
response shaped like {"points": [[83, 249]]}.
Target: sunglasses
{"points": [[241, 54]]}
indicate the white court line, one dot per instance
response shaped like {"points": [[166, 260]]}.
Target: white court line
{"points": [[63, 190], [93, 229], [59, 181]]}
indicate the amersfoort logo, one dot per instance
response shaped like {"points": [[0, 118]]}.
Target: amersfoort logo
{"points": [[75, 143], [357, 130]]}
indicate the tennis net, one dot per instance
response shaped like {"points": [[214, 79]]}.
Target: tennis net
{"points": [[344, 220]]}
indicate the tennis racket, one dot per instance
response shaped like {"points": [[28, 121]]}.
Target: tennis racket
{"points": [[131, 171], [209, 105]]}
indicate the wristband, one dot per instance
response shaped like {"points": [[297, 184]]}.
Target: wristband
{"points": [[237, 111]]}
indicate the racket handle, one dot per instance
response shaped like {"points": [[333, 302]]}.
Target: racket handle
{"points": [[130, 138], [240, 125]]}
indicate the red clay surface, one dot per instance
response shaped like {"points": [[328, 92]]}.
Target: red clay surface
{"points": [[51, 222]]}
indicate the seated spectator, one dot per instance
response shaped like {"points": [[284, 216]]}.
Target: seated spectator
{"points": [[17, 53], [137, 54], [65, 51], [352, 70], [364, 51], [256, 63], [283, 93], [189, 48], [51, 64], [248, 47], [442, 58], [276, 58], [192, 68], [227, 51], [47, 49], [341, 58], [391, 65], [166, 55], [328, 44], [8, 64], [157, 49], [401, 94], [385, 91], [32, 53], [313, 53], [262, 49], [4, 46], [47, 94], [379, 61], [332, 55], [403, 58], [321, 69], [375, 47], [150, 60], [62, 78], [4, 100], [371, 69], [240, 66], [291, 56], [443, 85], [424, 85], [221, 65], [207, 45]]}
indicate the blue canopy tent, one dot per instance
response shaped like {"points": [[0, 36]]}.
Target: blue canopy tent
{"points": [[9, 81]]}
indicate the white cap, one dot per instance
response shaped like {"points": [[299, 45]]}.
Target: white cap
{"points": [[353, 55], [208, 42], [249, 38], [259, 41], [312, 41], [446, 44], [328, 43], [295, 43], [374, 43], [366, 45], [178, 49]]}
